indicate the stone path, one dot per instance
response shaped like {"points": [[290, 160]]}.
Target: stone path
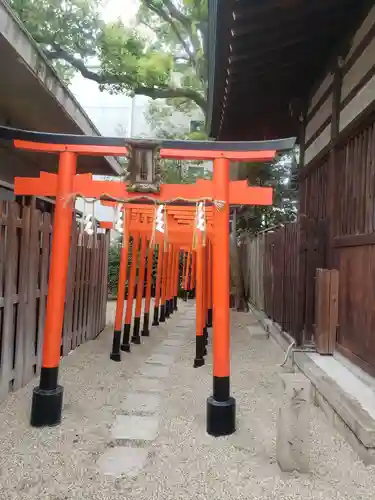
{"points": [[136, 429]]}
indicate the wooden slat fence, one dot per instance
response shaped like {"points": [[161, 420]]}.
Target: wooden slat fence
{"points": [[25, 243], [272, 270]]}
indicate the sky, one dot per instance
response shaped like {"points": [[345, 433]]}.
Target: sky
{"points": [[126, 9]]}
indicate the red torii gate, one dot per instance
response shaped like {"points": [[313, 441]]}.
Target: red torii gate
{"points": [[48, 396], [181, 231]]}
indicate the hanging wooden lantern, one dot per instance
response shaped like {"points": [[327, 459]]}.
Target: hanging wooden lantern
{"points": [[143, 174]]}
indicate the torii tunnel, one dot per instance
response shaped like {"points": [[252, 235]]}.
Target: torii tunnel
{"points": [[206, 264]]}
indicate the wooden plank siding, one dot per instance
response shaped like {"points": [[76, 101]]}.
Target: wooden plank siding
{"points": [[337, 189], [25, 243]]}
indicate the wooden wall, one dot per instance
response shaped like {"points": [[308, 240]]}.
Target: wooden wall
{"points": [[343, 95], [337, 186], [25, 241]]}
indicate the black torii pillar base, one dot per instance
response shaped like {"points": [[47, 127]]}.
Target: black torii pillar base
{"points": [[221, 409], [47, 402]]}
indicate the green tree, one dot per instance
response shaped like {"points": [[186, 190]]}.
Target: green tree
{"points": [[279, 176], [167, 40]]}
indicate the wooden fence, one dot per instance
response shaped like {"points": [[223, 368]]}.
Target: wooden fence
{"points": [[272, 274], [25, 241]]}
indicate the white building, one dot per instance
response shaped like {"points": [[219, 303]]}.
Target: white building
{"points": [[122, 116]]}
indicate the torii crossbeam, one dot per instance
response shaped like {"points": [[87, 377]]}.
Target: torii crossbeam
{"points": [[66, 185]]}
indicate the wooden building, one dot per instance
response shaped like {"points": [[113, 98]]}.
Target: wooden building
{"points": [[33, 97], [307, 69]]}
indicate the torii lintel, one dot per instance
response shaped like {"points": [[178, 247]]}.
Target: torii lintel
{"points": [[46, 185]]}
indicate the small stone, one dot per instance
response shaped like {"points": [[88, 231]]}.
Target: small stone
{"points": [[123, 460]]}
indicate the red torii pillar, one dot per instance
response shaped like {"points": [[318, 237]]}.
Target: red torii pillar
{"points": [[47, 398]]}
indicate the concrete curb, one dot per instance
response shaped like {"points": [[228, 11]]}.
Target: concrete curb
{"points": [[341, 410]]}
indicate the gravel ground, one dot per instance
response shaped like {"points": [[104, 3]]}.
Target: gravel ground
{"points": [[184, 462]]}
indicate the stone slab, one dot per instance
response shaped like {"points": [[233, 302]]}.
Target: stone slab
{"points": [[154, 371], [293, 438], [140, 402], [257, 331], [145, 384], [135, 427], [173, 342], [161, 359], [123, 461], [166, 349]]}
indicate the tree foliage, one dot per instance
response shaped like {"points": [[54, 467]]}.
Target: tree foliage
{"points": [[167, 39], [279, 176]]}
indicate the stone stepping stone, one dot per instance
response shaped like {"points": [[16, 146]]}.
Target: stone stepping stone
{"points": [[173, 342], [257, 331], [176, 335], [144, 384], [166, 350], [135, 427], [160, 359], [122, 460], [154, 371], [140, 402]]}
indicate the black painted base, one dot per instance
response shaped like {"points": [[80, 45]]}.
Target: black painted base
{"points": [[115, 354], [175, 303], [146, 321], [199, 351], [162, 314], [156, 316], [209, 318], [221, 417], [205, 335], [167, 309], [46, 407], [125, 346], [136, 339], [198, 362]]}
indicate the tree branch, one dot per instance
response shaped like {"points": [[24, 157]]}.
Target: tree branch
{"points": [[171, 93], [168, 19], [184, 20], [176, 14], [59, 53]]}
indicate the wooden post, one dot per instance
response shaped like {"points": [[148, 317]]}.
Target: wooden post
{"points": [[176, 283], [204, 299], [125, 346], [146, 314], [164, 285], [221, 407], [115, 354], [193, 274], [209, 285], [48, 397], [168, 282], [183, 277], [199, 322], [136, 339], [159, 271], [187, 274]]}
